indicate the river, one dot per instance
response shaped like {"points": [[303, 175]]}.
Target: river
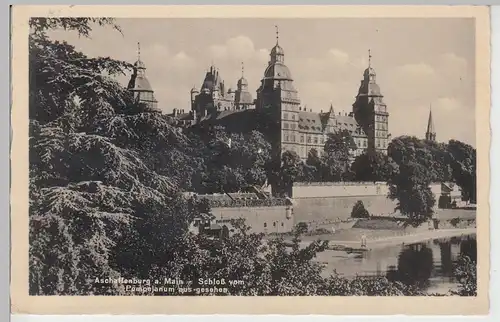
{"points": [[429, 264]]}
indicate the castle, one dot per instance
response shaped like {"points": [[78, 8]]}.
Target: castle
{"points": [[294, 127]]}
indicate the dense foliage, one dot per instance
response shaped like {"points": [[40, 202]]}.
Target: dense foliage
{"points": [[414, 164], [106, 178], [371, 167], [466, 274]]}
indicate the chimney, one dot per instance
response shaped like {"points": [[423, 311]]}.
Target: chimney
{"points": [[321, 111], [174, 112], [310, 110], [340, 114], [345, 113]]}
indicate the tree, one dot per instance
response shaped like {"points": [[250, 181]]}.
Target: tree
{"points": [[96, 171], [291, 169], [410, 179], [339, 144], [359, 210], [229, 162], [336, 157], [441, 161], [463, 164], [411, 187], [313, 167], [371, 167]]}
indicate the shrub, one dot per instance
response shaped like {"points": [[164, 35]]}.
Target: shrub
{"points": [[466, 274], [359, 210], [455, 221], [302, 227]]}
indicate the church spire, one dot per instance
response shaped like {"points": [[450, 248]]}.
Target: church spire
{"points": [[430, 134]]}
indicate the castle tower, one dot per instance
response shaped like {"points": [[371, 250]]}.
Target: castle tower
{"points": [[194, 94], [370, 111], [430, 134], [140, 86], [278, 98], [242, 97], [212, 97]]}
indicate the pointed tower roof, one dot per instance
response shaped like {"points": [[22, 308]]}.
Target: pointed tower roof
{"points": [[277, 50], [430, 123], [369, 86], [242, 95], [242, 81], [138, 81]]}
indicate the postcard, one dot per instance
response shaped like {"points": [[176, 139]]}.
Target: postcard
{"points": [[250, 160]]}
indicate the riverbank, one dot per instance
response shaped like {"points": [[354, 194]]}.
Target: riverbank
{"points": [[385, 241]]}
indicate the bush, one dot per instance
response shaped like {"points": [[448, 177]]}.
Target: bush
{"points": [[359, 210], [466, 274], [302, 227]]}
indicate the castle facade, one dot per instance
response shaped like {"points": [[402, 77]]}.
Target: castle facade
{"points": [[295, 128]]}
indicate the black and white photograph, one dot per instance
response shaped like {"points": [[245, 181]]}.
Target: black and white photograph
{"points": [[246, 156]]}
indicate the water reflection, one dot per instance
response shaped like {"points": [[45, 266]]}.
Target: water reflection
{"points": [[468, 247], [446, 258], [415, 265], [429, 265]]}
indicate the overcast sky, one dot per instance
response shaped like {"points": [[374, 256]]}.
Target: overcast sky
{"points": [[419, 62]]}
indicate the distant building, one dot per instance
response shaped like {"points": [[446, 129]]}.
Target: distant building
{"points": [[430, 134], [140, 86]]}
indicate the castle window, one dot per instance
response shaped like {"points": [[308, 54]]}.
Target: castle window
{"points": [[293, 138], [292, 126], [322, 140], [282, 225], [286, 138], [293, 116], [308, 139], [274, 224], [301, 139], [285, 125], [315, 140], [265, 224], [285, 116]]}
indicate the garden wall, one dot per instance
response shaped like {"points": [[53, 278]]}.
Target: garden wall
{"points": [[318, 202]]}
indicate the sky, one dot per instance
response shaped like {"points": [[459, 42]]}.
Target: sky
{"points": [[420, 62]]}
